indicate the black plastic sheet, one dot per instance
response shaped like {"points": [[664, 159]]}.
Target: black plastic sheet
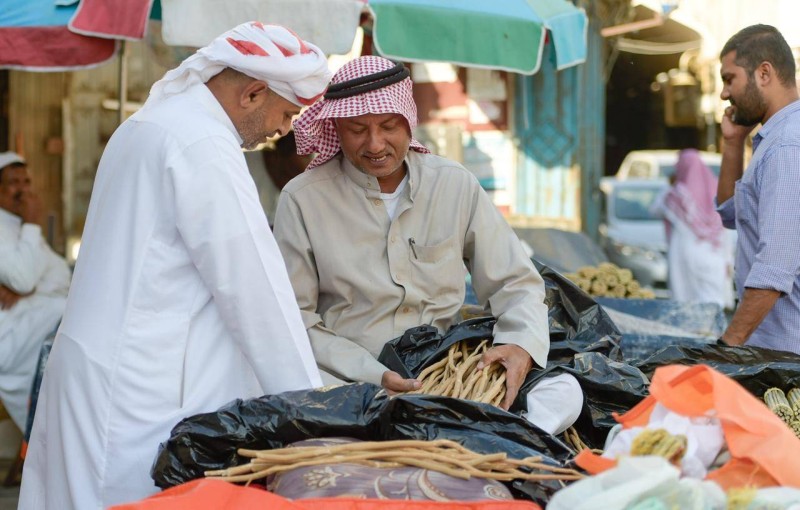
{"points": [[609, 387], [584, 342], [363, 411], [577, 325], [756, 369], [577, 322]]}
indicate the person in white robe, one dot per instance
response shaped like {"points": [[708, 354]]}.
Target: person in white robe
{"points": [[34, 281], [699, 256], [180, 300]]}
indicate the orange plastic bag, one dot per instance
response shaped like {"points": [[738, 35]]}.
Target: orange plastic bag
{"points": [[764, 451], [206, 494]]}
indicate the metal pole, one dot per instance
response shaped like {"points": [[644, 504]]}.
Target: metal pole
{"points": [[123, 80]]}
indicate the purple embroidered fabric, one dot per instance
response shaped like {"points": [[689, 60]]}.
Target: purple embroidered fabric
{"points": [[357, 481]]}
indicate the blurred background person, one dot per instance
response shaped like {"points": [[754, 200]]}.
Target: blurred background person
{"points": [[699, 252], [34, 282], [272, 168]]}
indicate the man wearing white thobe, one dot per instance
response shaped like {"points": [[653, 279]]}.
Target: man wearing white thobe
{"points": [[180, 300], [34, 281]]}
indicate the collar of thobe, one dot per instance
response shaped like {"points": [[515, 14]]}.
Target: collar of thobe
{"points": [[369, 183], [9, 219], [204, 96]]}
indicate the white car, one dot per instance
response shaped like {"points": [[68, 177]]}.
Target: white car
{"points": [[630, 234], [652, 164]]}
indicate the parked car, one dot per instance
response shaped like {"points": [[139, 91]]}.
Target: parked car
{"points": [[630, 234], [653, 164]]}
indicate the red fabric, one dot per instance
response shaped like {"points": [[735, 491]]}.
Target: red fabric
{"points": [[51, 48], [765, 452], [116, 19], [207, 494], [250, 48]]}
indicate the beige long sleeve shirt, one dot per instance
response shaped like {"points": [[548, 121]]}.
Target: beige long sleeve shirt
{"points": [[362, 279]]}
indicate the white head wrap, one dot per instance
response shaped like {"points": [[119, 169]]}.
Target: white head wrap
{"points": [[294, 69], [9, 158]]}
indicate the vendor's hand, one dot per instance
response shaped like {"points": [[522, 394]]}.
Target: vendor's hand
{"points": [[732, 132], [8, 298], [517, 363], [394, 383]]}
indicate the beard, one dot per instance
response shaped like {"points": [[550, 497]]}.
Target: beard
{"points": [[251, 129], [750, 107]]}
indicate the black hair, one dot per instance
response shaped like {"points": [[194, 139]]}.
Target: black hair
{"points": [[762, 43]]}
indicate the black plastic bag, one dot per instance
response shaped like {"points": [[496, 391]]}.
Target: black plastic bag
{"points": [[363, 411], [577, 324], [609, 387], [754, 368]]}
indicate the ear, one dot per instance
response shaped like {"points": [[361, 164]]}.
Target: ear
{"points": [[765, 73], [253, 94]]}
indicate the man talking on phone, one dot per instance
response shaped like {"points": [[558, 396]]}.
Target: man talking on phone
{"points": [[758, 75]]}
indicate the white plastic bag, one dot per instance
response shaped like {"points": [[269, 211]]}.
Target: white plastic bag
{"points": [[639, 483]]}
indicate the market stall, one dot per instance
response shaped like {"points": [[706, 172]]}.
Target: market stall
{"points": [[690, 435]]}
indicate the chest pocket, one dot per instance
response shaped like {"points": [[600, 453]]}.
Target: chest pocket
{"points": [[438, 268]]}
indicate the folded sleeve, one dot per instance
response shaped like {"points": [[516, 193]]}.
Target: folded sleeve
{"points": [[727, 213]]}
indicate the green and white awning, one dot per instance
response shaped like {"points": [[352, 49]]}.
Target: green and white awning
{"points": [[507, 35]]}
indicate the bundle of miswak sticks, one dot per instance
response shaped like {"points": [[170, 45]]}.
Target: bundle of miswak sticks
{"points": [[440, 455], [455, 375]]}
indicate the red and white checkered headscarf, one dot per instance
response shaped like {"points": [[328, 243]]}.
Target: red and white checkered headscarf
{"points": [[293, 68], [315, 130]]}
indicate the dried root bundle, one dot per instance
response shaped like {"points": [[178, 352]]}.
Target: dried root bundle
{"points": [[455, 376], [794, 400], [441, 455], [659, 442], [609, 280], [574, 440], [787, 409]]}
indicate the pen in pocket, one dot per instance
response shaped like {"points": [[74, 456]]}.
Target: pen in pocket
{"points": [[413, 246]]}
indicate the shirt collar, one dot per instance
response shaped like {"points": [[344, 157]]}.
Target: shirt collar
{"points": [[202, 94], [779, 117], [370, 183], [9, 218]]}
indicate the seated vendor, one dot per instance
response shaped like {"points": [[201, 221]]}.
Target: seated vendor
{"points": [[376, 234]]}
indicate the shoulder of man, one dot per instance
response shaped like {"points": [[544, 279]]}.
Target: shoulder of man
{"points": [[440, 167], [182, 117]]}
